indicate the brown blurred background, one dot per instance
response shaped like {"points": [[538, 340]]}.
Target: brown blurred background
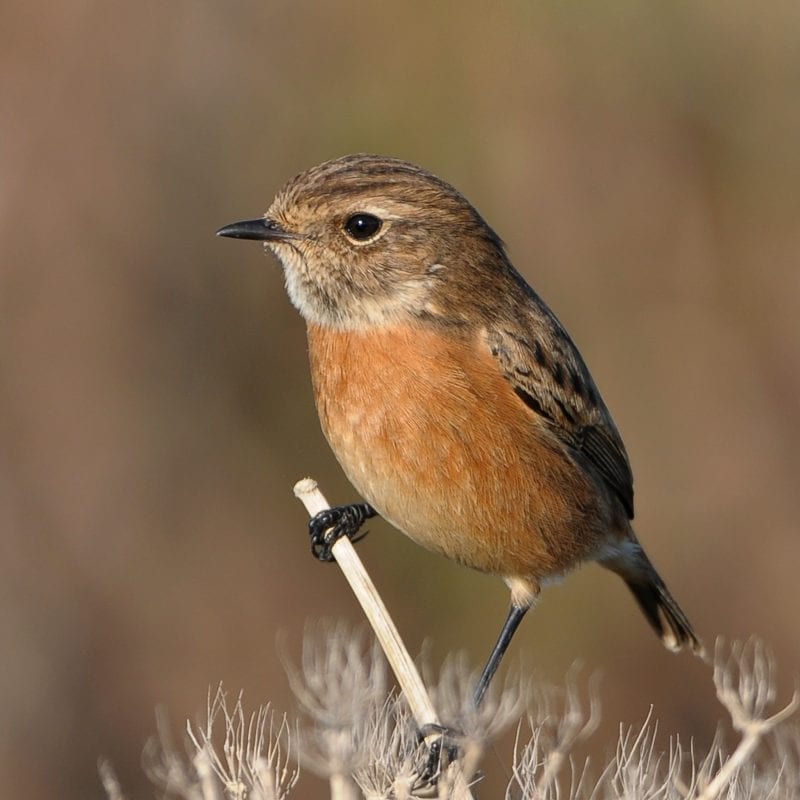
{"points": [[642, 163]]}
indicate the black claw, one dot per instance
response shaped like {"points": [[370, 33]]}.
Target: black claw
{"points": [[327, 527], [441, 752]]}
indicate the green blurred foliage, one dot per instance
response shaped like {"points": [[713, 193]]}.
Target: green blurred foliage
{"points": [[640, 159]]}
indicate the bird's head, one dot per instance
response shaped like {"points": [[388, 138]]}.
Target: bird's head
{"points": [[369, 240]]}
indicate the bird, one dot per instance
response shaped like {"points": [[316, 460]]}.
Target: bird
{"points": [[452, 397]]}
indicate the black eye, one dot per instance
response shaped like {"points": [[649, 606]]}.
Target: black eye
{"points": [[362, 226]]}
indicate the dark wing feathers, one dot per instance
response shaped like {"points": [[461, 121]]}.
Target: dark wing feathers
{"points": [[604, 449], [548, 374]]}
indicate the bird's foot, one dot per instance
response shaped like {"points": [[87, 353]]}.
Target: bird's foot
{"points": [[442, 751], [327, 527]]}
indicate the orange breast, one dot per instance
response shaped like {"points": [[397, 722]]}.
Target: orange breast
{"points": [[431, 434]]}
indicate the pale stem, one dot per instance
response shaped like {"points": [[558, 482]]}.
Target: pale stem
{"points": [[385, 630]]}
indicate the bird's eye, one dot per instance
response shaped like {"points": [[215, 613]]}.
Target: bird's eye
{"points": [[362, 226]]}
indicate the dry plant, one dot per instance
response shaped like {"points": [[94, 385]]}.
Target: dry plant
{"points": [[361, 735], [373, 741], [230, 755], [557, 723]]}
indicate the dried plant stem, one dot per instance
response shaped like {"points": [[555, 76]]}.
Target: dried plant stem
{"points": [[343, 787], [385, 630], [382, 624], [109, 780], [209, 785], [752, 730], [745, 685]]}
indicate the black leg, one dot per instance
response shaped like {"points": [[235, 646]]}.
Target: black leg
{"points": [[513, 620], [327, 527]]}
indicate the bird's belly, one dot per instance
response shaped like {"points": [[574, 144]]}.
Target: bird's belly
{"points": [[432, 436]]}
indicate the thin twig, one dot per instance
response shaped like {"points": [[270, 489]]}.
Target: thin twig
{"points": [[386, 631], [746, 699]]}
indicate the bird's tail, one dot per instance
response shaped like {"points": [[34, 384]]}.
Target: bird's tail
{"points": [[659, 607]]}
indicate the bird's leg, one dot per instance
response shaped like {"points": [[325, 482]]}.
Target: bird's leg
{"points": [[327, 527], [513, 620]]}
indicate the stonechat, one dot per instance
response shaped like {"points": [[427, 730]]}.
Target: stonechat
{"points": [[453, 398]]}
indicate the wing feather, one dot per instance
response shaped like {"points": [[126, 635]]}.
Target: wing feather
{"points": [[548, 374]]}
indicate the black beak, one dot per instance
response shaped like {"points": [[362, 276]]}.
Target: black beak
{"points": [[261, 229]]}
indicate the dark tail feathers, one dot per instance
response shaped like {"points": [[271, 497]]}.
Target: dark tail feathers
{"points": [[665, 615], [658, 605]]}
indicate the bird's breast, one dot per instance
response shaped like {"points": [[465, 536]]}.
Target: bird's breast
{"points": [[431, 434]]}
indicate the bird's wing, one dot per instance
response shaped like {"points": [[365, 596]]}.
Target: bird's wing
{"points": [[547, 373]]}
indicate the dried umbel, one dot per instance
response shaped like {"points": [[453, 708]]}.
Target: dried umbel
{"points": [[236, 755], [233, 755]]}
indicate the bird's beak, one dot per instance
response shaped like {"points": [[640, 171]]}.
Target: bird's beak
{"points": [[262, 229]]}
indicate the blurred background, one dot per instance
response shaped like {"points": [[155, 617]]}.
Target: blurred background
{"points": [[640, 160]]}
